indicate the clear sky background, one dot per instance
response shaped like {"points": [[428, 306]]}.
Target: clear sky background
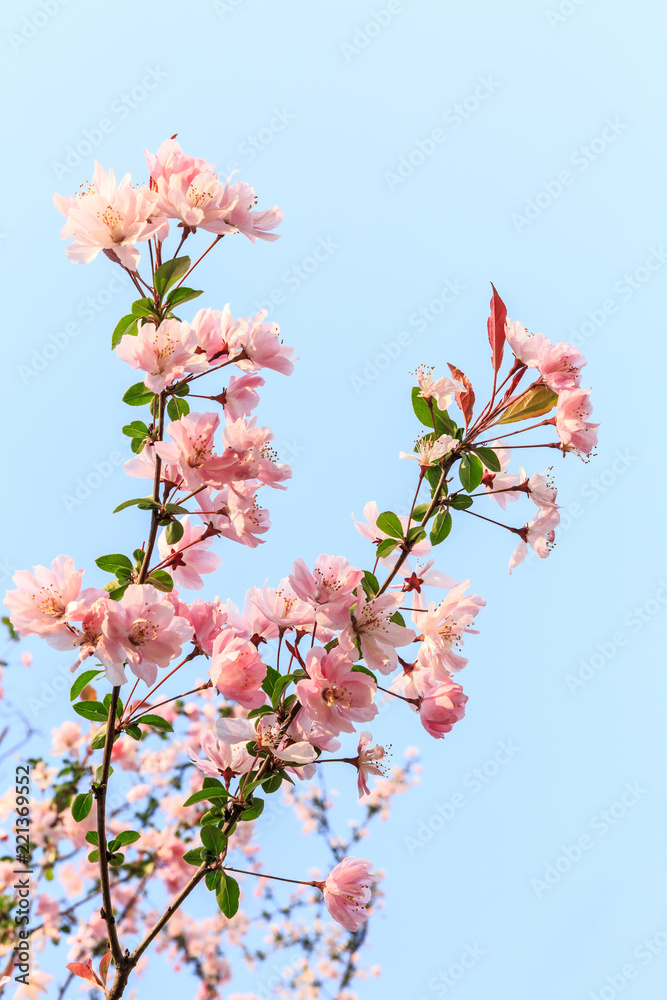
{"points": [[547, 177]]}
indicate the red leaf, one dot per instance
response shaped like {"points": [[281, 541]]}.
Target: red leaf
{"points": [[496, 327], [85, 972], [464, 400], [104, 967]]}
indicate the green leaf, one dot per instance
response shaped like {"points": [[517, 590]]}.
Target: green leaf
{"points": [[534, 402], [174, 508], [133, 731], [181, 295], [385, 547], [161, 581], [442, 525], [116, 860], [169, 273], [210, 782], [115, 589], [126, 325], [416, 534], [138, 395], [370, 583], [272, 784], [99, 739], [81, 682], [278, 688], [111, 563], [206, 794], [124, 839], [269, 681], [193, 857], [81, 806], [254, 810], [432, 476], [177, 407], [442, 420], [179, 389], [471, 472], [359, 668], [130, 503], [173, 532], [213, 839], [157, 722], [92, 837], [94, 856], [136, 429], [227, 896], [419, 513], [91, 710], [460, 502], [212, 880], [143, 307], [489, 457], [390, 524], [397, 618]]}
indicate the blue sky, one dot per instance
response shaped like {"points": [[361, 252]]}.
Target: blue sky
{"points": [[419, 151]]}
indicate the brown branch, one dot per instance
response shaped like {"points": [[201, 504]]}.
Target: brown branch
{"points": [[100, 792]]}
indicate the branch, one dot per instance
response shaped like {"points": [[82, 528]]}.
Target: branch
{"points": [[100, 792]]}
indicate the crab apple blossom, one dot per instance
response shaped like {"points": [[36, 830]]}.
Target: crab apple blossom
{"points": [[165, 352], [284, 608], [188, 189], [538, 533], [430, 450], [248, 454], [378, 636], [192, 451], [235, 513], [527, 347], [221, 760], [371, 531], [91, 612], [574, 429], [328, 588], [441, 708], [334, 695], [254, 225], [367, 761], [143, 467], [444, 625], [44, 599], [441, 390], [347, 892], [144, 625], [423, 576], [240, 397], [207, 619], [257, 345], [188, 558], [215, 330], [540, 488], [237, 669], [560, 366], [500, 485], [268, 735], [109, 216]]}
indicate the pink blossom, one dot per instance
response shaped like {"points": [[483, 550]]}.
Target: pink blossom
{"points": [[328, 589], [67, 738], [429, 450], [572, 425], [441, 708], [237, 670], [333, 694], [268, 736], [539, 533], [347, 892], [144, 625], [91, 611], [424, 576], [377, 635], [254, 225], [187, 559], [235, 513], [367, 761], [239, 399], [165, 352], [499, 485], [189, 190], [260, 343], [221, 759], [560, 366], [528, 347], [207, 619], [440, 389], [192, 450], [143, 467], [106, 216], [541, 488], [445, 625], [248, 455], [215, 332], [43, 602], [283, 607]]}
